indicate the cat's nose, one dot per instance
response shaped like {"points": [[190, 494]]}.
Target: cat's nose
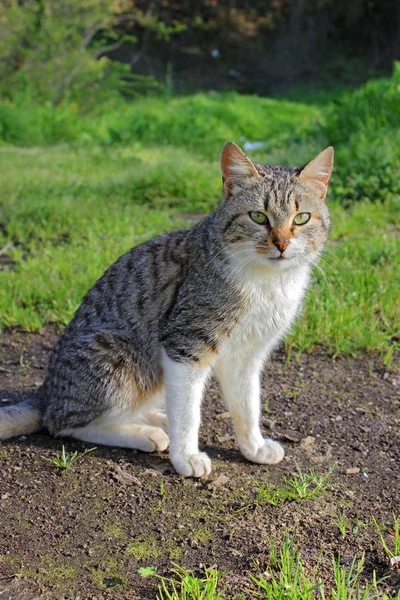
{"points": [[282, 245]]}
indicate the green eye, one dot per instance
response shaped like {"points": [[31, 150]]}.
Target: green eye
{"points": [[258, 217], [302, 218]]}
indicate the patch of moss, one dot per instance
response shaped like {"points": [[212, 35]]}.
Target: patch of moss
{"points": [[203, 535], [109, 575], [144, 547], [104, 579], [55, 574], [15, 561], [174, 552], [147, 548], [114, 530]]}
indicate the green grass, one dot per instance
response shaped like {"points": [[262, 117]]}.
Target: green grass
{"points": [[135, 170], [286, 578], [343, 524], [65, 460], [353, 305], [144, 547], [184, 585], [347, 583], [392, 547], [199, 122], [303, 486]]}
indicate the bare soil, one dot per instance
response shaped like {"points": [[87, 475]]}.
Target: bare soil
{"points": [[84, 533]]}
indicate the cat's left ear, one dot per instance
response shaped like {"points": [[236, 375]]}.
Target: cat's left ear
{"points": [[318, 171]]}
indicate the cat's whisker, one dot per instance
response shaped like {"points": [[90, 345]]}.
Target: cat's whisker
{"points": [[333, 256], [227, 256], [328, 265], [325, 276], [241, 267]]}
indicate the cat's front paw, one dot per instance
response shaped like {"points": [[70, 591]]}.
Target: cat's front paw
{"points": [[193, 465], [268, 453]]}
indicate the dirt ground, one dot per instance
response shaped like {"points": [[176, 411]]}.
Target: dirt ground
{"points": [[84, 533]]}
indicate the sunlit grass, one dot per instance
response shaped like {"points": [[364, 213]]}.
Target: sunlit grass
{"points": [[64, 460], [302, 486], [286, 578], [70, 211], [391, 542], [185, 585]]}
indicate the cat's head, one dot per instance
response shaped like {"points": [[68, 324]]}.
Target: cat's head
{"points": [[274, 216]]}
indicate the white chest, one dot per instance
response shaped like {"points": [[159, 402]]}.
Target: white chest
{"points": [[272, 306]]}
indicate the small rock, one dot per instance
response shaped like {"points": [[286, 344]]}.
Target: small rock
{"points": [[290, 436], [395, 562], [124, 477], [308, 444], [223, 416], [322, 458], [225, 438], [219, 482], [269, 423], [352, 471]]}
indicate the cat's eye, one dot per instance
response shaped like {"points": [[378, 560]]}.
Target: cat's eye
{"points": [[302, 218], [258, 217]]}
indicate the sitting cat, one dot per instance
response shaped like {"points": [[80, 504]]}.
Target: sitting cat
{"points": [[214, 298]]}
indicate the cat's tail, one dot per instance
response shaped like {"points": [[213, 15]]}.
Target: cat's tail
{"points": [[21, 418]]}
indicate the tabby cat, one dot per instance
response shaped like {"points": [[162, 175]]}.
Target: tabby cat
{"points": [[133, 363]]}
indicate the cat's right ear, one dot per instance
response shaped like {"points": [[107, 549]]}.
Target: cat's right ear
{"points": [[235, 167]]}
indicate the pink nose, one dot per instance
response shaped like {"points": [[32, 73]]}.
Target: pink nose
{"points": [[282, 245]]}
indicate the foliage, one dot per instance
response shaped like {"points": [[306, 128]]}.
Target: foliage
{"points": [[370, 108], [348, 585], [200, 123], [184, 585], [342, 523], [303, 486], [394, 550], [287, 578], [365, 125], [137, 169], [55, 52], [65, 460]]}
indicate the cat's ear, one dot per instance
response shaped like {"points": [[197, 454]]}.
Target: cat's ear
{"points": [[235, 166], [318, 171]]}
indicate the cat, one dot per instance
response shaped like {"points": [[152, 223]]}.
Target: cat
{"points": [[131, 367]]}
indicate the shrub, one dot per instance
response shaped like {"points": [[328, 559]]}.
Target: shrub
{"points": [[373, 106]]}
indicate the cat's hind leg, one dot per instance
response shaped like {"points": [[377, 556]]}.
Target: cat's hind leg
{"points": [[121, 431], [157, 418], [154, 411]]}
